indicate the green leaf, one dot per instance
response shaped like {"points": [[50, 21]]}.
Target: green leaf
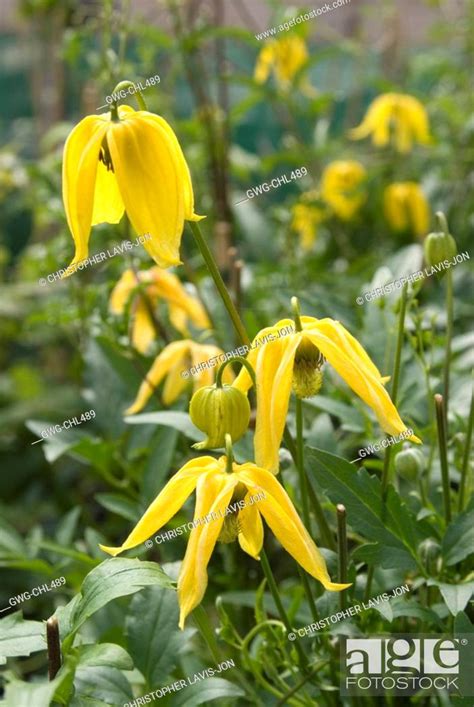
{"points": [[462, 624], [169, 418], [102, 654], [27, 694], [351, 419], [117, 577], [206, 691], [376, 554], [153, 637], [458, 541], [160, 456], [120, 505], [390, 527], [19, 637], [456, 596], [103, 683]]}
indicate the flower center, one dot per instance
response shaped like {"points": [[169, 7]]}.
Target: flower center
{"points": [[231, 525], [307, 376], [104, 155]]}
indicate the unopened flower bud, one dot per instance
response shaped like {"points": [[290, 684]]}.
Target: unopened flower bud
{"points": [[217, 411], [410, 462], [439, 245]]}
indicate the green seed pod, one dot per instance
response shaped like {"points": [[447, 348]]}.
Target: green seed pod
{"points": [[439, 246], [410, 463], [217, 411]]}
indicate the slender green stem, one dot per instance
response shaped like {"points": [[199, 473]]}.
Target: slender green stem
{"points": [[235, 359], [395, 381], [138, 94], [295, 305], [298, 686], [229, 454], [449, 336], [300, 462], [206, 630], [309, 593], [394, 395], [279, 605], [465, 459], [323, 526], [443, 455], [219, 283], [342, 550]]}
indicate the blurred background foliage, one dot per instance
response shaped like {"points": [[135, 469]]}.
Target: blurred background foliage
{"points": [[64, 353]]}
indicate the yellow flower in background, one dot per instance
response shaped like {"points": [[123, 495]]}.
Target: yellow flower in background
{"points": [[403, 114], [135, 165], [406, 208], [305, 221], [285, 57], [341, 183], [224, 511], [293, 361], [158, 285], [174, 363]]}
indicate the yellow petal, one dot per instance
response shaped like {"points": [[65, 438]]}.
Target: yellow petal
{"points": [[80, 161], [122, 291], [167, 503], [264, 63], [161, 365], [186, 183], [150, 180], [212, 496], [108, 204], [335, 331], [363, 382], [281, 516], [250, 528], [175, 383], [143, 329]]}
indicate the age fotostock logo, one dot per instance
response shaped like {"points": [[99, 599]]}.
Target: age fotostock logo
{"points": [[406, 664]]}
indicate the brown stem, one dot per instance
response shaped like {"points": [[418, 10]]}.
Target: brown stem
{"points": [[54, 648]]}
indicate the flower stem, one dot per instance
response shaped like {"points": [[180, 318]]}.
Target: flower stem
{"points": [[449, 336], [235, 359], [279, 605], [323, 526], [300, 463], [342, 550], [465, 459], [206, 631], [219, 283], [395, 381], [394, 395], [443, 455], [138, 94]]}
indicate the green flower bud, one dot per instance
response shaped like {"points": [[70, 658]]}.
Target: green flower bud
{"points": [[410, 462], [440, 245], [217, 411]]}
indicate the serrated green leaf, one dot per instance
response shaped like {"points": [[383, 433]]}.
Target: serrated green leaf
{"points": [[206, 691], [117, 577], [153, 637], [103, 683], [458, 541], [103, 654], [456, 596], [390, 526], [19, 637]]}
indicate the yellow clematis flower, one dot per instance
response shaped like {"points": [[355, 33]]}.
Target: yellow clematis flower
{"points": [[305, 221], [341, 187], [294, 360], [406, 208], [159, 285], [133, 164], [218, 517], [284, 56], [405, 114], [174, 362]]}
